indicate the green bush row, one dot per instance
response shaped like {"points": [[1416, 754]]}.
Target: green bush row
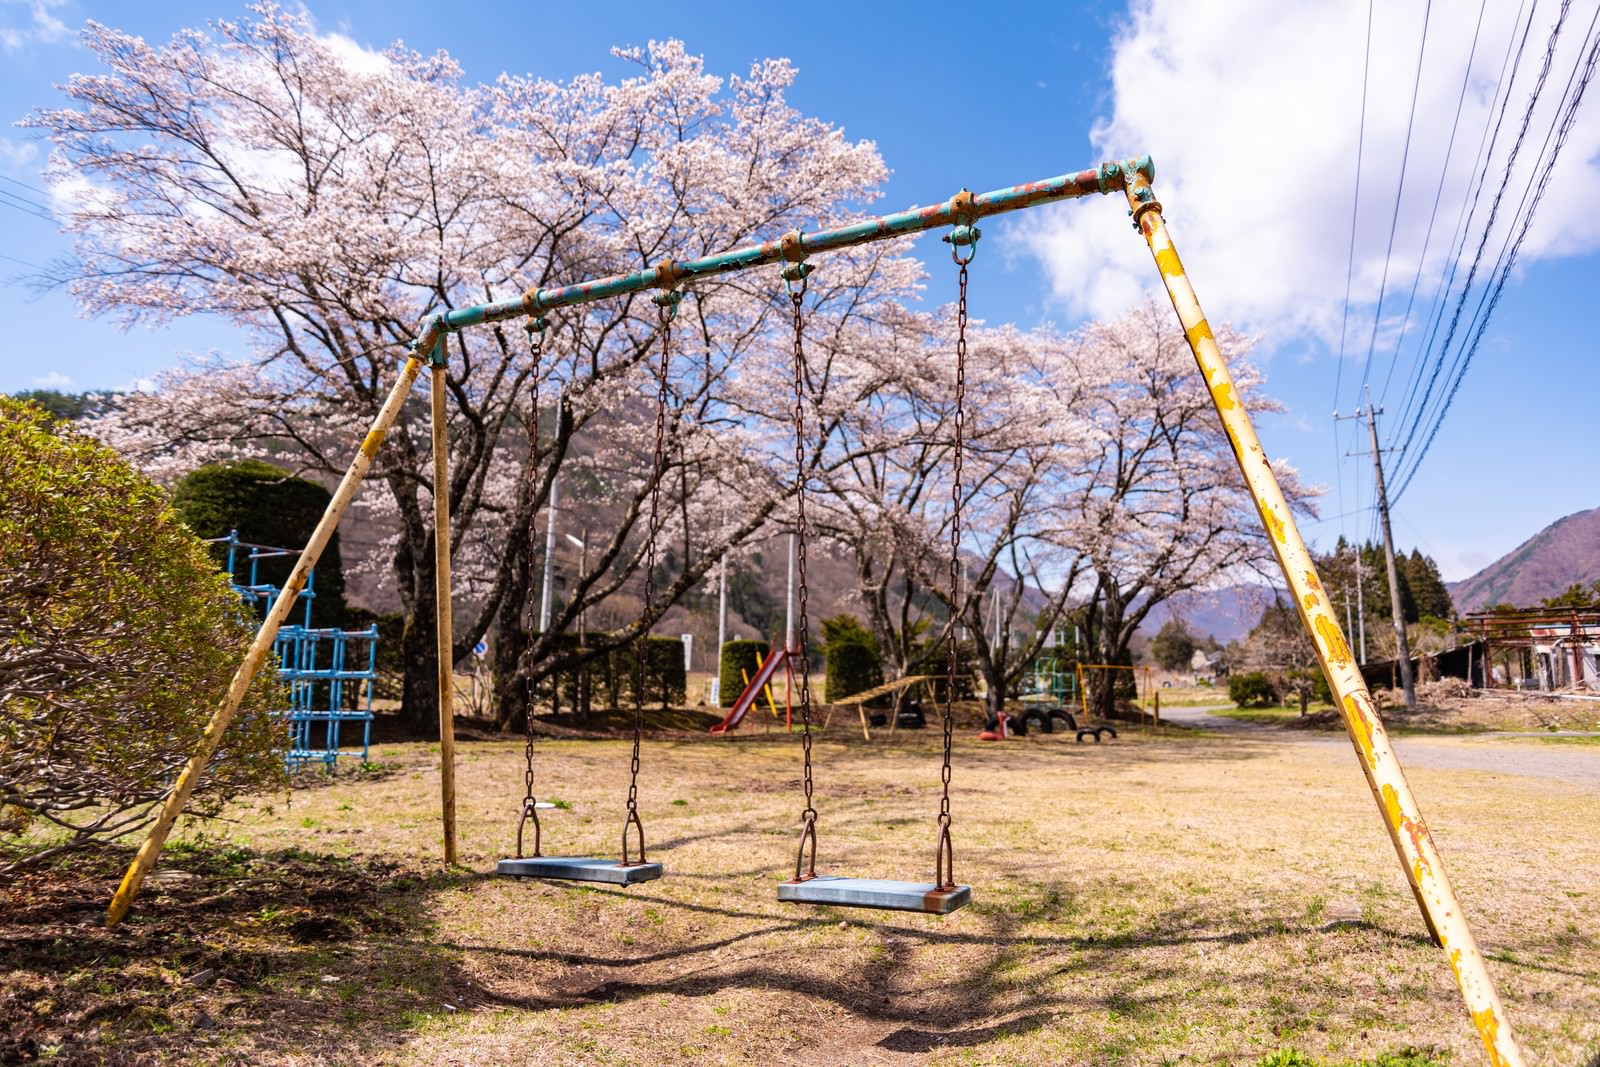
{"points": [[611, 675]]}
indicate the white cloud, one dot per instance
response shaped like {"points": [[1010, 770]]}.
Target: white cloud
{"points": [[1251, 108], [42, 27], [358, 57], [54, 380], [17, 157]]}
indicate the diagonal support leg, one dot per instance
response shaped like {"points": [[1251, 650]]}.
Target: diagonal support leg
{"points": [[1401, 816], [259, 648]]}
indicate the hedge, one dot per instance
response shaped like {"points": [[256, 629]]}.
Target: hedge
{"points": [[268, 506], [737, 656], [853, 667]]}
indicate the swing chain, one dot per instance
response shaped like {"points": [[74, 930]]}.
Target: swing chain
{"points": [[530, 808], [944, 868], [793, 274], [667, 309]]}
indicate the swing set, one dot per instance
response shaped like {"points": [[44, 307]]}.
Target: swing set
{"points": [[1410, 836]]}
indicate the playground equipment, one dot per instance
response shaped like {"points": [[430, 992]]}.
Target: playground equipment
{"points": [[1401, 815], [625, 871], [1048, 680], [860, 700], [753, 688], [316, 664]]}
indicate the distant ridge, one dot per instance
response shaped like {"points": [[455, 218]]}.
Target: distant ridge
{"points": [[1566, 551], [1227, 613]]}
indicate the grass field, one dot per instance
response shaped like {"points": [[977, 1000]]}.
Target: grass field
{"points": [[1154, 900]]}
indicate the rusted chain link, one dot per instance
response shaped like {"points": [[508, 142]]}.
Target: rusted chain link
{"points": [[965, 236], [795, 277], [667, 304], [530, 806]]}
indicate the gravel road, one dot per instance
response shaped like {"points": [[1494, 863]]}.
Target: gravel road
{"points": [[1519, 754]]}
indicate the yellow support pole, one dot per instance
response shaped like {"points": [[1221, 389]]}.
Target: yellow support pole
{"points": [[441, 592], [260, 647], [1401, 815]]}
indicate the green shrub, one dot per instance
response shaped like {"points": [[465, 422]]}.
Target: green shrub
{"points": [[1251, 690], [664, 677], [736, 656], [268, 506], [611, 675], [118, 637], [853, 668], [847, 629]]}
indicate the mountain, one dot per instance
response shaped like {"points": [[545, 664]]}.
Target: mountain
{"points": [[1566, 551], [1227, 613]]}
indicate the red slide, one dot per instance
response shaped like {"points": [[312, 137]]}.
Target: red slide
{"points": [[751, 692]]}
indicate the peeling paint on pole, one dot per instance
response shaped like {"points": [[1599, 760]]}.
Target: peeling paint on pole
{"points": [[1402, 818]]}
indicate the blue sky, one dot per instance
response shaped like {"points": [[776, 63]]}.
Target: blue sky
{"points": [[1251, 108]]}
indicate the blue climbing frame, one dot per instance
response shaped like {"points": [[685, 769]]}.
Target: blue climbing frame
{"points": [[317, 664]]}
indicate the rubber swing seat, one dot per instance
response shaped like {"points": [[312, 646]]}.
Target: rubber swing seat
{"points": [[876, 893], [579, 869]]}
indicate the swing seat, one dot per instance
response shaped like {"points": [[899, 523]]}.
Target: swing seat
{"points": [[876, 893], [579, 869]]}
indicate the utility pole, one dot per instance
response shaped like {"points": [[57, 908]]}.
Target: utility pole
{"points": [[722, 607], [788, 614], [1361, 609], [1348, 624], [548, 592], [1402, 645], [583, 621]]}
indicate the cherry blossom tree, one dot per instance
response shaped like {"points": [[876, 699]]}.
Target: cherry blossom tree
{"points": [[889, 496], [1162, 506], [326, 198], [1095, 472]]}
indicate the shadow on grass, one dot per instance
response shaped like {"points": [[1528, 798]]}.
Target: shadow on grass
{"points": [[273, 956], [226, 947]]}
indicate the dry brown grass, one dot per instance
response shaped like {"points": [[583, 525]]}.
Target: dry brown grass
{"points": [[1147, 901]]}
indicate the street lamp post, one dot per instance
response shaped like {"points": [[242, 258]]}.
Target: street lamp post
{"points": [[583, 621]]}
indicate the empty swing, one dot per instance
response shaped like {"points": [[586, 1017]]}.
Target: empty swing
{"points": [[589, 868], [942, 895]]}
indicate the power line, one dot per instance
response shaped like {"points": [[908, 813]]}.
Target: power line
{"points": [[27, 207], [1399, 194], [1567, 121], [1438, 193], [1355, 208], [1458, 239], [1457, 364], [25, 185], [1494, 210]]}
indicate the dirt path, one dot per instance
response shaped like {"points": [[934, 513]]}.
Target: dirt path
{"points": [[1521, 753]]}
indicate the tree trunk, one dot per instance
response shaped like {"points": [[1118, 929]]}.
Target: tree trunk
{"points": [[419, 653], [995, 679], [510, 687]]}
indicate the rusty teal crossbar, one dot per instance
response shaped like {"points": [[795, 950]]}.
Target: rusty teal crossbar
{"points": [[1106, 178]]}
